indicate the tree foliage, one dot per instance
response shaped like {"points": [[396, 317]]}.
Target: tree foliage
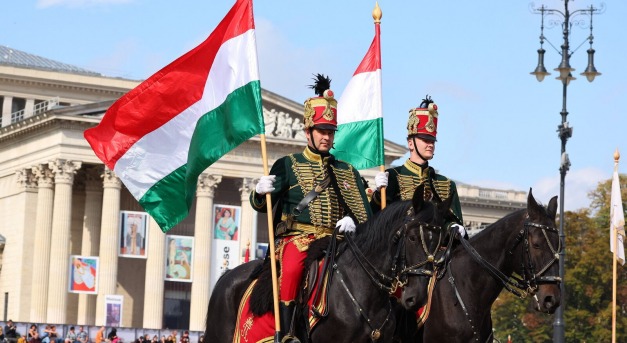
{"points": [[588, 283]]}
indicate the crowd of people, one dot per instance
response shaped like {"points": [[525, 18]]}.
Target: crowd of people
{"points": [[10, 334]]}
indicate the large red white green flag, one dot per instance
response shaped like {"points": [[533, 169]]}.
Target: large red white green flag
{"points": [[160, 136], [359, 136]]}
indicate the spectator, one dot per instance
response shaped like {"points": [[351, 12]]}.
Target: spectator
{"points": [[33, 335], [10, 332], [45, 336], [201, 339], [155, 339], [169, 339], [2, 334], [163, 339], [185, 337], [81, 335], [54, 335], [140, 339], [113, 336], [71, 336], [100, 335]]}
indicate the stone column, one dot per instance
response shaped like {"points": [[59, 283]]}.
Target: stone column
{"points": [[26, 206], [7, 105], [90, 244], [247, 224], [109, 238], [155, 276], [29, 108], [60, 250], [203, 228], [43, 242]]}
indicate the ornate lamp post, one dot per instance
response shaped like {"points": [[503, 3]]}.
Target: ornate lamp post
{"points": [[565, 131]]}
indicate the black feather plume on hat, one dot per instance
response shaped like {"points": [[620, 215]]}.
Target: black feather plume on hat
{"points": [[322, 83], [426, 101]]}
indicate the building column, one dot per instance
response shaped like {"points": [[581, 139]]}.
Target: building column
{"points": [[60, 244], [248, 218], [90, 244], [43, 234], [29, 107], [26, 206], [109, 238], [155, 277], [7, 105], [203, 228]]}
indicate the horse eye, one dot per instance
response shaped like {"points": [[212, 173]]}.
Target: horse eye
{"points": [[412, 238], [536, 245]]}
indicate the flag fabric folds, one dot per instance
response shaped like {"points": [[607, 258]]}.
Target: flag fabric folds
{"points": [[160, 136], [617, 218], [359, 137]]}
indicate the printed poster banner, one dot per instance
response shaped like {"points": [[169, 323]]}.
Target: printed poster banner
{"points": [[225, 244], [113, 308], [133, 234], [179, 254], [83, 274]]}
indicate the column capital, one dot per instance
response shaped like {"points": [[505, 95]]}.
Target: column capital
{"points": [[26, 179], [110, 180], [64, 170], [207, 184], [248, 184], [43, 175], [93, 178]]}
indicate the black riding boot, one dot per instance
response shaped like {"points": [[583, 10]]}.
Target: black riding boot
{"points": [[286, 311]]}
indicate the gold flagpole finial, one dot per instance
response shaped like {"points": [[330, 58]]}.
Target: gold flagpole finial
{"points": [[616, 155], [376, 13]]}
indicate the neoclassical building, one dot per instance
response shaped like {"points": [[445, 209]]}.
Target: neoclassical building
{"points": [[57, 200]]}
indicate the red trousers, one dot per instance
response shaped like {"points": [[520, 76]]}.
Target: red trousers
{"points": [[292, 262]]}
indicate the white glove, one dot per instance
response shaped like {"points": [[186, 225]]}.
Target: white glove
{"points": [[381, 180], [346, 224], [460, 229], [265, 184]]}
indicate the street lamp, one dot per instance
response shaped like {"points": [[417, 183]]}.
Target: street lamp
{"points": [[565, 131]]}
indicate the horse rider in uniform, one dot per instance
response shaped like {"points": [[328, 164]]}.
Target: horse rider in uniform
{"points": [[400, 182], [312, 193]]}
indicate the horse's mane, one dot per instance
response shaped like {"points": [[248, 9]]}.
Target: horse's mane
{"points": [[370, 234]]}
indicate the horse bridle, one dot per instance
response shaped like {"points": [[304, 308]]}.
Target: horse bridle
{"points": [[537, 278]]}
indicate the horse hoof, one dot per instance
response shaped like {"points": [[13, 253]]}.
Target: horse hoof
{"points": [[290, 339]]}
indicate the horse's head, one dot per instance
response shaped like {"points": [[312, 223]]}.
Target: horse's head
{"points": [[540, 245], [423, 237]]}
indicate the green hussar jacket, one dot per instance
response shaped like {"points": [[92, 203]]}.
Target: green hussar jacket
{"points": [[297, 174], [403, 180]]}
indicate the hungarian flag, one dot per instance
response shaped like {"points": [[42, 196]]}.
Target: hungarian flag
{"points": [[160, 136], [617, 218], [359, 136]]}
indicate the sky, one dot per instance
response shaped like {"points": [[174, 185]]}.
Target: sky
{"points": [[497, 123]]}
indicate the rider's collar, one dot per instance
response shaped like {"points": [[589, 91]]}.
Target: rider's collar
{"points": [[315, 156], [418, 169]]}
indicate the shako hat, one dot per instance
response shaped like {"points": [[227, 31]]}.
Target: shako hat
{"points": [[423, 121], [321, 111]]}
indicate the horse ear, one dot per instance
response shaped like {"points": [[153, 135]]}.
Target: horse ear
{"points": [[533, 208], [552, 208], [418, 200]]}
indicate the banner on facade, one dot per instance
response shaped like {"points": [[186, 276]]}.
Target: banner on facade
{"points": [[113, 308], [83, 274], [133, 240], [225, 244], [179, 258]]}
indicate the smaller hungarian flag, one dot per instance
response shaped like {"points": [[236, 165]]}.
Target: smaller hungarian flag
{"points": [[160, 136], [359, 136], [617, 217]]}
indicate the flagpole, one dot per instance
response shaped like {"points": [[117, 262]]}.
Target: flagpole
{"points": [[275, 286], [377, 15], [615, 249]]}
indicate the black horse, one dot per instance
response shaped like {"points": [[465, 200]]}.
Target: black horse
{"points": [[519, 252], [394, 248]]}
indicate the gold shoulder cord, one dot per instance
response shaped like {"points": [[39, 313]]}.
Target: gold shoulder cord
{"points": [[350, 192]]}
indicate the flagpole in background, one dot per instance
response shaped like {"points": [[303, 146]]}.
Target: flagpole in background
{"points": [[377, 15], [617, 230], [275, 285]]}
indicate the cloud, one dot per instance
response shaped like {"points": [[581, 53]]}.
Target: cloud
{"points": [[77, 3], [579, 183]]}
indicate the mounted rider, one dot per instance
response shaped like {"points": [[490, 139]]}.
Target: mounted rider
{"points": [[312, 193], [400, 182]]}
